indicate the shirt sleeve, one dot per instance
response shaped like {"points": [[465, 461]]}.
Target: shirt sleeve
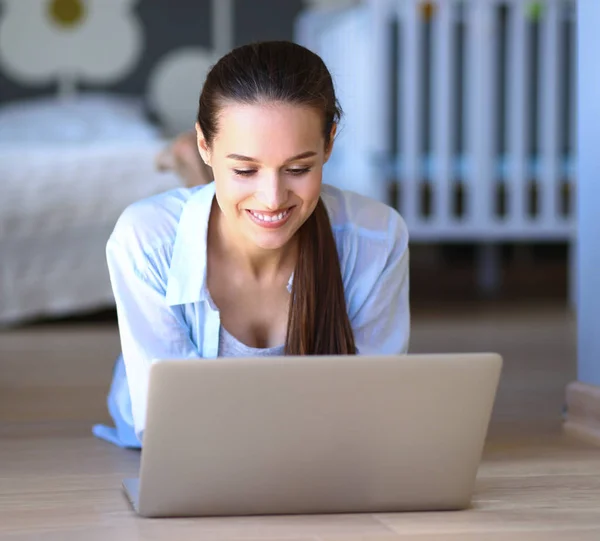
{"points": [[149, 328], [381, 324]]}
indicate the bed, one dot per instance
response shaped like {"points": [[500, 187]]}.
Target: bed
{"points": [[68, 168]]}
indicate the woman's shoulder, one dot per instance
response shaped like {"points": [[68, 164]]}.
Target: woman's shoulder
{"points": [[372, 241], [359, 216], [152, 221]]}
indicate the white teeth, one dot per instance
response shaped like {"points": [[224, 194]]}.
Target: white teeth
{"points": [[271, 218]]}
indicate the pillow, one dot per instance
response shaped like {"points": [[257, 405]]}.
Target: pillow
{"points": [[86, 118]]}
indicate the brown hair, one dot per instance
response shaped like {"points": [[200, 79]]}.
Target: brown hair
{"points": [[282, 71]]}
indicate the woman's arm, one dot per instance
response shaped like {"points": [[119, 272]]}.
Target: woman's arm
{"points": [[381, 323], [148, 327]]}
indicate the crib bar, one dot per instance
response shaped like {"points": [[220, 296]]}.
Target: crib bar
{"points": [[380, 126], [410, 106], [517, 69], [443, 78], [549, 102], [480, 105]]}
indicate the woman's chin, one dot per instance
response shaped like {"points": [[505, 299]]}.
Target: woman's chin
{"points": [[271, 242], [274, 239]]}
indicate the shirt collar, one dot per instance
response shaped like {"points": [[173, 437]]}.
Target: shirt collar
{"points": [[187, 273], [186, 281]]}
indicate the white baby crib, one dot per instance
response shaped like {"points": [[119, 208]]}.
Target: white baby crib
{"points": [[461, 113]]}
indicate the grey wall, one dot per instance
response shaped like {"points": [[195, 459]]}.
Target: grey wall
{"points": [[171, 24], [264, 20]]}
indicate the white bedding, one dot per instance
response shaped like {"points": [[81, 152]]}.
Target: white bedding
{"points": [[67, 170]]}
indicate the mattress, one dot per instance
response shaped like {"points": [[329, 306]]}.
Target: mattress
{"points": [[62, 187]]}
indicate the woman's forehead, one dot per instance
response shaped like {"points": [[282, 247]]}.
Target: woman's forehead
{"points": [[263, 126]]}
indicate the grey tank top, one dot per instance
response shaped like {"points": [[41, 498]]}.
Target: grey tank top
{"points": [[229, 346]]}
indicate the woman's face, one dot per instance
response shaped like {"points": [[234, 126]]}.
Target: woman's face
{"points": [[267, 161]]}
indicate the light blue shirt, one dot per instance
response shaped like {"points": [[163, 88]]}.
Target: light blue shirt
{"points": [[156, 258]]}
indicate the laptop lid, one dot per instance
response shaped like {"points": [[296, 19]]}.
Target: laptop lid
{"points": [[331, 434]]}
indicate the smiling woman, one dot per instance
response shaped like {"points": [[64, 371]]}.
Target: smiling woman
{"points": [[265, 260]]}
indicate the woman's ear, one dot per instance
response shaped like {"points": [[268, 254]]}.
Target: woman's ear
{"points": [[203, 147], [329, 148]]}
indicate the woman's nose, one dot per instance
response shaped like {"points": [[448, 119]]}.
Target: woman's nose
{"points": [[272, 191]]}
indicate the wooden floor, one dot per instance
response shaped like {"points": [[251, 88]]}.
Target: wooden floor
{"points": [[57, 483]]}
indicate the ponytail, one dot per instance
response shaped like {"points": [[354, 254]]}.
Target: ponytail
{"points": [[318, 321]]}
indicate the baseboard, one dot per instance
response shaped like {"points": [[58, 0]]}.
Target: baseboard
{"points": [[583, 411]]}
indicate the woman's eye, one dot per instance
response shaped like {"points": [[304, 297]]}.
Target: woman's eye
{"points": [[244, 172], [299, 172], [250, 172]]}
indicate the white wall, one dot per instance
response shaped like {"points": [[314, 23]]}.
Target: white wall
{"points": [[588, 313]]}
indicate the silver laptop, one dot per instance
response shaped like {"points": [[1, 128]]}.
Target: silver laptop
{"points": [[332, 434]]}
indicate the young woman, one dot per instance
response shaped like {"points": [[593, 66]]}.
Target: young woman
{"points": [[264, 260]]}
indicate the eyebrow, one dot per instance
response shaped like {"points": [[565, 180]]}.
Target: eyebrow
{"points": [[239, 157]]}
